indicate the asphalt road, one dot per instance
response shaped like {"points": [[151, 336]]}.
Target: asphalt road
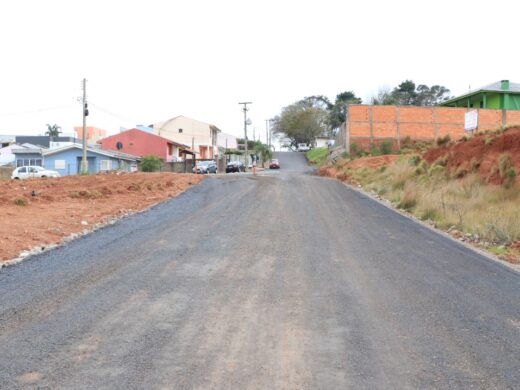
{"points": [[279, 281]]}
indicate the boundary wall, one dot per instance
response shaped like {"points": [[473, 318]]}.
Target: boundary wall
{"points": [[369, 125]]}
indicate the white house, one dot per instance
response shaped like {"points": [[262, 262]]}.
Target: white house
{"points": [[227, 141], [183, 130]]}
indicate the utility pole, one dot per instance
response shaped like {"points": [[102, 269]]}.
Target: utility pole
{"points": [[84, 107], [267, 132], [245, 109]]}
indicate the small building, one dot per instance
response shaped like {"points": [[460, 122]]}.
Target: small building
{"points": [[226, 141], [501, 95], [6, 140], [188, 131], [323, 142], [92, 134], [7, 156], [141, 143], [67, 160], [45, 141]]}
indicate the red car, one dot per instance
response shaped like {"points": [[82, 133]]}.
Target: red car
{"points": [[274, 164]]}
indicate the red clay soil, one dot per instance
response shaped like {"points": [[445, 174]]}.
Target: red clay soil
{"points": [[372, 162], [338, 171], [39, 212], [484, 155]]}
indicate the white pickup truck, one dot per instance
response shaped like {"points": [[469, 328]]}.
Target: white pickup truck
{"points": [[303, 148]]}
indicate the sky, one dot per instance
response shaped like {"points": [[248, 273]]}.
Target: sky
{"points": [[148, 61]]}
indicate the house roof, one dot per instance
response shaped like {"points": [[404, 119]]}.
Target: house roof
{"points": [[48, 152], [212, 127], [109, 153], [514, 88], [147, 134]]}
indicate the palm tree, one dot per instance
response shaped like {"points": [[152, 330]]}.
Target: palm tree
{"points": [[53, 131], [264, 152]]}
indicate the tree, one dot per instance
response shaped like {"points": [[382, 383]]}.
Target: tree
{"points": [[263, 151], [408, 94], [383, 97], [405, 94], [338, 111], [53, 131], [301, 122], [150, 164]]}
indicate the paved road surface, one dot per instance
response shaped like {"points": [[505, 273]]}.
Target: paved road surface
{"points": [[279, 281]]}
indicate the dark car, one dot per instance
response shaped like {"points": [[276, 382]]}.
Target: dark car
{"points": [[205, 167], [235, 166], [274, 164]]}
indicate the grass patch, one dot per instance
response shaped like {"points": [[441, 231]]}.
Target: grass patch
{"points": [[466, 202], [317, 156], [21, 201]]}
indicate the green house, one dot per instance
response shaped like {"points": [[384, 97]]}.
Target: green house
{"points": [[499, 95]]}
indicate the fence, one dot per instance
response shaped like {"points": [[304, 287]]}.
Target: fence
{"points": [[371, 125], [5, 172], [187, 165]]}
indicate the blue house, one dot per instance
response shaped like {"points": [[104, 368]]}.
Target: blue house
{"points": [[67, 160]]}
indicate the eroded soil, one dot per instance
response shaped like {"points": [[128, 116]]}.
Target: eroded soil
{"points": [[39, 212]]}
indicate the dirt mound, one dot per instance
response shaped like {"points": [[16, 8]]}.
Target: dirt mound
{"points": [[480, 153], [372, 162], [43, 211]]}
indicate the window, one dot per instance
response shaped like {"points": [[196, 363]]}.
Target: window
{"points": [[180, 131], [29, 161], [105, 165], [22, 170], [481, 104]]}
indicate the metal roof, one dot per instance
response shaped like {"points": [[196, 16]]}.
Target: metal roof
{"points": [[514, 88], [47, 152]]}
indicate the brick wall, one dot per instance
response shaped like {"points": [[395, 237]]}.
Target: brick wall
{"points": [[371, 125]]}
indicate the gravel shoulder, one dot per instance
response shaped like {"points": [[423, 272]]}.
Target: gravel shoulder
{"points": [[39, 213]]}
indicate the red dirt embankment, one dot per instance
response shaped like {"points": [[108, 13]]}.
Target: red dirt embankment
{"points": [[375, 162], [481, 152], [39, 212]]}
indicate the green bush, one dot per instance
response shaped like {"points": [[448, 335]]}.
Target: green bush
{"points": [[386, 147], [415, 160], [317, 156], [345, 155], [354, 149], [443, 141], [510, 178], [150, 164], [21, 201], [375, 151]]}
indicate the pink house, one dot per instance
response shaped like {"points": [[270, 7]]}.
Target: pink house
{"points": [[141, 143]]}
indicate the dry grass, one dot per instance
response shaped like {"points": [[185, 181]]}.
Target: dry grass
{"points": [[464, 203]]}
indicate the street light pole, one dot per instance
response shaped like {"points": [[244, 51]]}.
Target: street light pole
{"points": [[245, 109]]}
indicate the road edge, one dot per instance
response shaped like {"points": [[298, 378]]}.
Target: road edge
{"points": [[488, 255], [110, 220]]}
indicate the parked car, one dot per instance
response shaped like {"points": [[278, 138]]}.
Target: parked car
{"points": [[205, 167], [274, 164], [235, 166], [33, 171], [303, 148]]}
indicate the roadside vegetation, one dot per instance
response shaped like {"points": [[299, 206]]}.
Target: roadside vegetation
{"points": [[317, 156], [469, 188]]}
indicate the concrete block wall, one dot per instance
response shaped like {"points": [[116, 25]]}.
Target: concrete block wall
{"points": [[370, 125]]}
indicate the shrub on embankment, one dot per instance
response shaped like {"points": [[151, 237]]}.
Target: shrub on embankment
{"points": [[317, 156], [470, 187]]}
